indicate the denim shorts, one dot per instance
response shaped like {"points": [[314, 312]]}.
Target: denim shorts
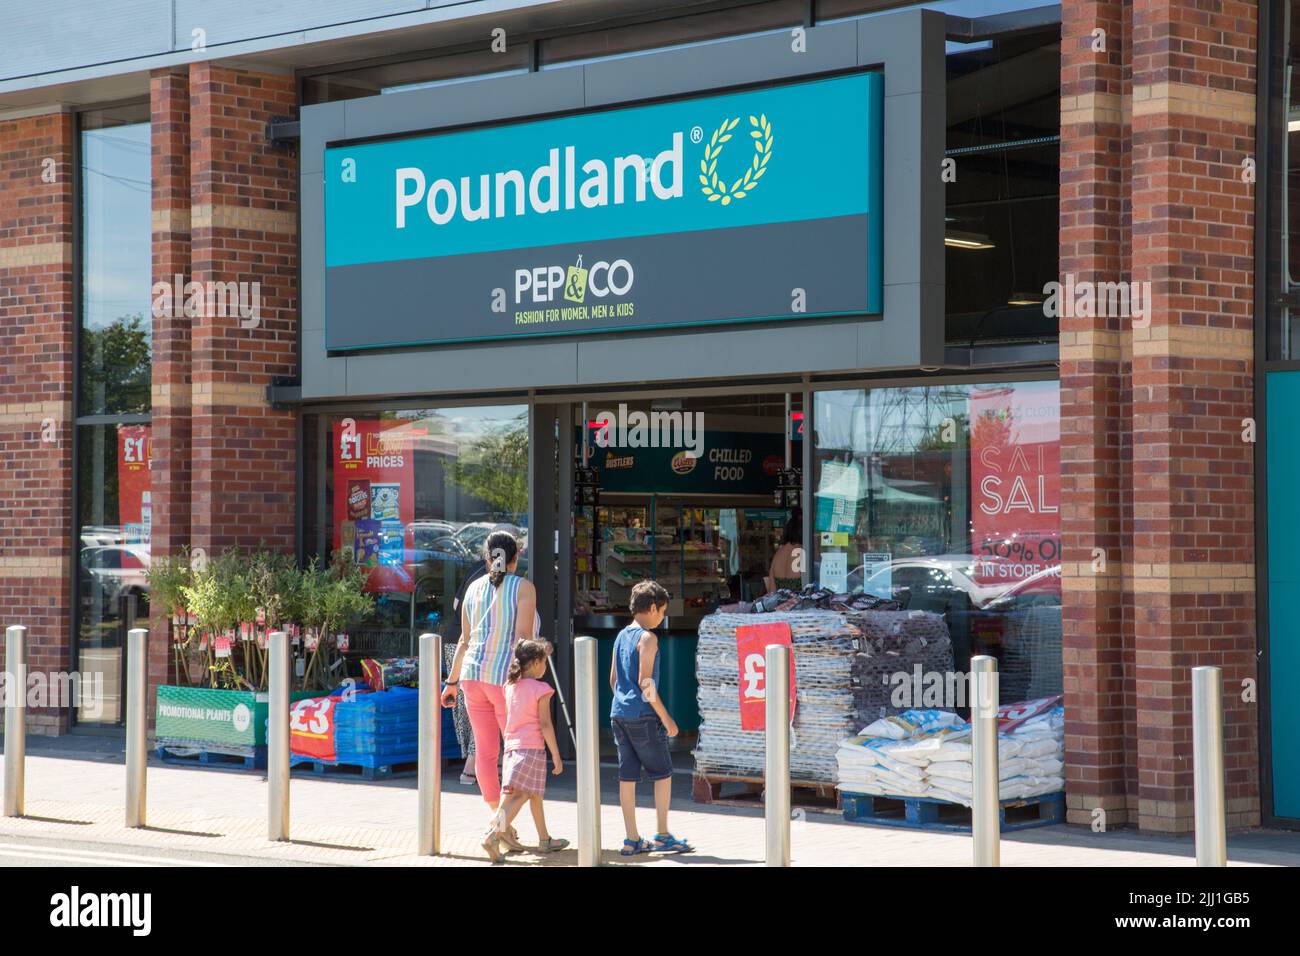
{"points": [[642, 748]]}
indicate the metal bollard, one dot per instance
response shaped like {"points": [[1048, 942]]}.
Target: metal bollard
{"points": [[15, 719], [776, 780], [1207, 767], [585, 713], [429, 831], [277, 738], [985, 808], [137, 724]]}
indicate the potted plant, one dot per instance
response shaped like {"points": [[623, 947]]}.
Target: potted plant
{"points": [[168, 576], [331, 599], [230, 604]]}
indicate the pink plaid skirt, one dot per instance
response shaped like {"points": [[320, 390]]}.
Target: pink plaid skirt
{"points": [[524, 771]]}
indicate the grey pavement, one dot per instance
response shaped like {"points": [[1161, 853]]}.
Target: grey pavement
{"points": [[76, 790]]}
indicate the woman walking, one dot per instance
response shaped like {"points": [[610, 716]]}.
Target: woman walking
{"points": [[499, 610]]}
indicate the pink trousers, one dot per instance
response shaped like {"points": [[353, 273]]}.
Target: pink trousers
{"points": [[486, 704]]}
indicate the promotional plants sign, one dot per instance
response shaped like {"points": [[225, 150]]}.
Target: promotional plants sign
{"points": [[754, 205], [233, 718]]}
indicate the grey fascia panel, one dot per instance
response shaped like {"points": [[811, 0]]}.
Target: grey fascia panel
{"points": [[311, 233], [882, 40], [909, 45], [795, 346], [458, 104], [480, 368], [894, 343], [915, 154], [735, 62], [322, 377], [318, 125]]}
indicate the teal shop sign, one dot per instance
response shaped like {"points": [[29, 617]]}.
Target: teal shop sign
{"points": [[758, 205]]}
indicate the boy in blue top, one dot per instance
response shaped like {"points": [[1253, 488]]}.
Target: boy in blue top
{"points": [[640, 721]]}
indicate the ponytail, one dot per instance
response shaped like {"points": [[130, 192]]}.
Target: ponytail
{"points": [[499, 551], [525, 653]]}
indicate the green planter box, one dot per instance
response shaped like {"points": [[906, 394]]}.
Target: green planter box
{"points": [[230, 717]]}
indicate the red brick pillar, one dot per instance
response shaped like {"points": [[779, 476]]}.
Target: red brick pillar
{"points": [[243, 229], [1193, 108], [1093, 210], [36, 414], [169, 95]]}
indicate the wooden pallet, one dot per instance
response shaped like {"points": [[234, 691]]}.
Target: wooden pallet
{"points": [[923, 813], [211, 758], [392, 771], [722, 790]]}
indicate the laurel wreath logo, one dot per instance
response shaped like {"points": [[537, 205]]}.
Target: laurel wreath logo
{"points": [[713, 185]]}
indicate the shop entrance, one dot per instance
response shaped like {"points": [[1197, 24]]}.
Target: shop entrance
{"points": [[697, 493]]}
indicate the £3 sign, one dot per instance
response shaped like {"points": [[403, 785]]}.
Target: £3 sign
{"points": [[751, 647], [311, 728]]}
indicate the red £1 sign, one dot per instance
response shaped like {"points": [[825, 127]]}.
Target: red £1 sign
{"points": [[751, 647]]}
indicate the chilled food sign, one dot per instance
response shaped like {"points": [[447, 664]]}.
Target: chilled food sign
{"points": [[763, 204]]}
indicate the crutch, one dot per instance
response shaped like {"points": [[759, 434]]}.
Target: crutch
{"points": [[550, 662]]}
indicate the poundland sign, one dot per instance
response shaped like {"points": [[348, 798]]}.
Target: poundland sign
{"points": [[748, 206]]}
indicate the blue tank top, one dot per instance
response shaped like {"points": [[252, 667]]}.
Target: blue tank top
{"points": [[628, 702]]}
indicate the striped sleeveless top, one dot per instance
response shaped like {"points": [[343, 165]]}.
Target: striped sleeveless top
{"points": [[491, 613]]}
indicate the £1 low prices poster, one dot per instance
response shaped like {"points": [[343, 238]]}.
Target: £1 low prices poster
{"points": [[374, 497]]}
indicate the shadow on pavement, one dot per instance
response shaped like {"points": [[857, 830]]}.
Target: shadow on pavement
{"points": [[71, 823], [194, 833]]}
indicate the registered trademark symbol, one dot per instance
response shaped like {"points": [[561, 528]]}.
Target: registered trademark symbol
{"points": [[697, 134]]}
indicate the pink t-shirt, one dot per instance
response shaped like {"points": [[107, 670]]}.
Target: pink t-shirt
{"points": [[523, 727]]}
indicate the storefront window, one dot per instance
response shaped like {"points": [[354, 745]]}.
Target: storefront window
{"points": [[946, 498], [114, 513], [116, 262], [113, 386], [1283, 162], [412, 495]]}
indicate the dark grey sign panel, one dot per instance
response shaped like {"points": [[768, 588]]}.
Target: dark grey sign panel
{"points": [[749, 273]]}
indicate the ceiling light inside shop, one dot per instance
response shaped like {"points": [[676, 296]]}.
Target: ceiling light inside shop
{"points": [[966, 240], [1026, 298]]}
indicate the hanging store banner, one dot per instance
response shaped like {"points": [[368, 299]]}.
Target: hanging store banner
{"points": [[1015, 481], [374, 497], [134, 499], [757, 205]]}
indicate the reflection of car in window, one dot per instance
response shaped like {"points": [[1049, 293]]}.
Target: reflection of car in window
{"points": [[116, 569], [1018, 623]]}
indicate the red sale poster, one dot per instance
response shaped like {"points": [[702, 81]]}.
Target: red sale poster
{"points": [[751, 647], [1015, 481], [374, 497], [134, 459], [311, 728]]}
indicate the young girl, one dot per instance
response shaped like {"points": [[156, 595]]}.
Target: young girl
{"points": [[528, 735]]}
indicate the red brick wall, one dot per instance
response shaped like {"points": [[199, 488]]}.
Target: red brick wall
{"points": [[243, 229], [1154, 467], [36, 315], [169, 95], [1193, 527], [1093, 225]]}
